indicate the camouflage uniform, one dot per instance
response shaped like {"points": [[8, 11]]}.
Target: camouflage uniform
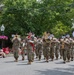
{"points": [[52, 49], [44, 48], [16, 44], [23, 45], [61, 47], [57, 47], [36, 50], [66, 50], [47, 50], [30, 53], [72, 49], [39, 49]]}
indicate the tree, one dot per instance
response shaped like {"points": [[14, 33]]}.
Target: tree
{"points": [[22, 16], [13, 16], [60, 29]]}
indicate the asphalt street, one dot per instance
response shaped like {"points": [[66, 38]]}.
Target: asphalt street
{"points": [[56, 67]]}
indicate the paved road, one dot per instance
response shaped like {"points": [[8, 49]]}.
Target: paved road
{"points": [[9, 67]]}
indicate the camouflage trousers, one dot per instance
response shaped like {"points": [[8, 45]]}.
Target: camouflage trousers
{"points": [[16, 54], [44, 53], [66, 54], [30, 56], [39, 53], [47, 53], [22, 53], [72, 53], [36, 52], [52, 53], [56, 53], [61, 53]]}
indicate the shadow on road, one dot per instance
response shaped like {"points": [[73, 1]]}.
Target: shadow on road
{"points": [[9, 62], [53, 72], [22, 64], [57, 71], [59, 63], [40, 61]]}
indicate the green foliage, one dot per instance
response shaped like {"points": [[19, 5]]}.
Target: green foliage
{"points": [[22, 16], [60, 29], [13, 16]]}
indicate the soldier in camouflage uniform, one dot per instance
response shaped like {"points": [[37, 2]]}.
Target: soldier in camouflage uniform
{"points": [[47, 50], [15, 47], [23, 47], [62, 44], [66, 50], [30, 51], [44, 48], [39, 48], [36, 50], [72, 48], [61, 47], [52, 49], [45, 37], [57, 47]]}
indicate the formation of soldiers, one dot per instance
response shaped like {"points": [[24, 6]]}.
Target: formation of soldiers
{"points": [[48, 46]]}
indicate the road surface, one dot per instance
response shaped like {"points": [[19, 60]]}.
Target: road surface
{"points": [[56, 67]]}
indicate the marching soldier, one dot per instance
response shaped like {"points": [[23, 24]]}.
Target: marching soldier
{"points": [[72, 48], [57, 47], [52, 49], [23, 48], [30, 50], [67, 43], [47, 50], [45, 37], [36, 50], [44, 48], [15, 47], [39, 48], [62, 44], [66, 49]]}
